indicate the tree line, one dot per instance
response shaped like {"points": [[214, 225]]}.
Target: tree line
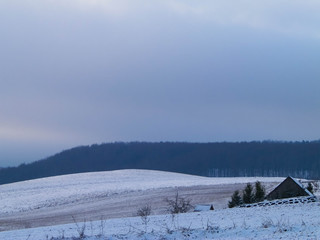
{"points": [[223, 159]]}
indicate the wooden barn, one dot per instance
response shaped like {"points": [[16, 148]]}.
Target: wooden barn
{"points": [[289, 188]]}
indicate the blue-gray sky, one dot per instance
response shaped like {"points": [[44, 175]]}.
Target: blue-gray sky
{"points": [[77, 72]]}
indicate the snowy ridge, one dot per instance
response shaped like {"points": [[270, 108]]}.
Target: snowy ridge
{"points": [[67, 189]]}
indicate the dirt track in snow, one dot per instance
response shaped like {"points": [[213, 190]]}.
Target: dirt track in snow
{"points": [[120, 205]]}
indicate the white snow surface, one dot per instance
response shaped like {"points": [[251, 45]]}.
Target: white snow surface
{"points": [[68, 189], [296, 221]]}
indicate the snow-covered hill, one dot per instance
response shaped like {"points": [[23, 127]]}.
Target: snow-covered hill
{"points": [[68, 189], [48, 201]]}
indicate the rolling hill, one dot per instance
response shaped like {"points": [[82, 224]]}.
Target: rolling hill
{"points": [[104, 205]]}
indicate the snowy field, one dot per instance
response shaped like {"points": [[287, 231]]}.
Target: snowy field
{"points": [[300, 221], [47, 201], [69, 189]]}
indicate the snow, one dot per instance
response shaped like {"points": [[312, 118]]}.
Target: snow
{"points": [[296, 221], [290, 221], [68, 189], [202, 207]]}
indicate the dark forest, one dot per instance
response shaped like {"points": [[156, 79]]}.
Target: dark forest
{"points": [[267, 158]]}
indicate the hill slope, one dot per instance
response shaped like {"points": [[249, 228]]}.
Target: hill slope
{"points": [[111, 194], [39, 203], [67, 189]]}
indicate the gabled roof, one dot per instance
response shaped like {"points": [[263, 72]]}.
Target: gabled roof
{"points": [[300, 184], [290, 187]]}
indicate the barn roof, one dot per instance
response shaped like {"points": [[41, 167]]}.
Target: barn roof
{"points": [[300, 184], [282, 187]]}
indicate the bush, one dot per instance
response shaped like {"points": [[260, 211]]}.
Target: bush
{"points": [[178, 204], [80, 228], [267, 223], [144, 213]]}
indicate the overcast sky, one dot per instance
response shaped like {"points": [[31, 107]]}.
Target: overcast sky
{"points": [[78, 72]]}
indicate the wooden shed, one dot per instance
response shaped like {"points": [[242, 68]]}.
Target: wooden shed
{"points": [[289, 188]]}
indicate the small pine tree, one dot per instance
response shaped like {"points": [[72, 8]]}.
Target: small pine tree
{"points": [[235, 200], [259, 193], [310, 187], [248, 196]]}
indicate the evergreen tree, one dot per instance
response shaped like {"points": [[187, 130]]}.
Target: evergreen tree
{"points": [[259, 193], [248, 196], [235, 200], [310, 187]]}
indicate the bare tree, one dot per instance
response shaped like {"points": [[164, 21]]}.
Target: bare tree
{"points": [[144, 213], [80, 228], [178, 204]]}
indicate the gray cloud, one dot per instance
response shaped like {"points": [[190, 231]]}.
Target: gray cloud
{"points": [[79, 72]]}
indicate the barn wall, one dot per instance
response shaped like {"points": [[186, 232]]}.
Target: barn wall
{"points": [[287, 189]]}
